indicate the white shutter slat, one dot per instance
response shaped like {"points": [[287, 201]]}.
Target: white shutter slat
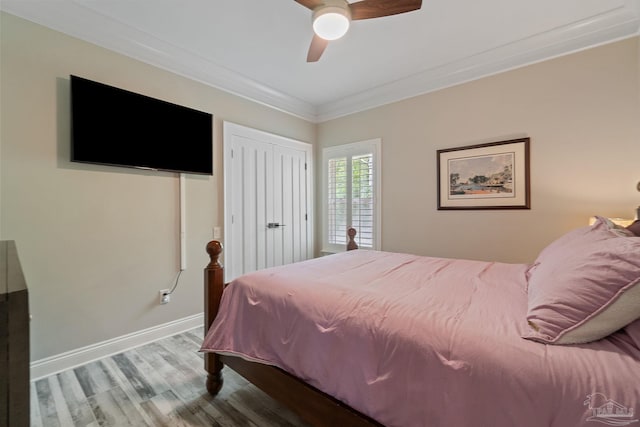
{"points": [[362, 198], [337, 200]]}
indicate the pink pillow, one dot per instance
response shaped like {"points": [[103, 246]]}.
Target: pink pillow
{"points": [[585, 285]]}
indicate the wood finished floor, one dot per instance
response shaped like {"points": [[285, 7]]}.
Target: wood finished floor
{"points": [[157, 384]]}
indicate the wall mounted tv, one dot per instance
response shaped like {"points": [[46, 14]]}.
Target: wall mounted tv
{"points": [[112, 126]]}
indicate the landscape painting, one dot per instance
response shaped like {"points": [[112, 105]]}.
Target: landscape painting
{"points": [[485, 176]]}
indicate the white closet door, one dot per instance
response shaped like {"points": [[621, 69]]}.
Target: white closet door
{"points": [[252, 203], [290, 183], [267, 200]]}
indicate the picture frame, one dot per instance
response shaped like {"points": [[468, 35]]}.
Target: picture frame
{"points": [[494, 175]]}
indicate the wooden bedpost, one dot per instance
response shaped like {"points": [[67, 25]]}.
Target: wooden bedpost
{"points": [[213, 287], [351, 245]]}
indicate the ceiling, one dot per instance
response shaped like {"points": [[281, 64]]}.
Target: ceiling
{"points": [[257, 48]]}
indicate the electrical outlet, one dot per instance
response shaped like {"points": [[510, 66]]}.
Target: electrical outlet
{"points": [[165, 296]]}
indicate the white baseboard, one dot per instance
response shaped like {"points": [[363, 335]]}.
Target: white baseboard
{"points": [[71, 359]]}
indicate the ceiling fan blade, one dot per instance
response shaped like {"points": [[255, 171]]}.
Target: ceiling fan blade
{"points": [[310, 4], [367, 9], [318, 45]]}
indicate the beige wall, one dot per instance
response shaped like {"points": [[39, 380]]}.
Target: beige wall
{"points": [[582, 114], [98, 243]]}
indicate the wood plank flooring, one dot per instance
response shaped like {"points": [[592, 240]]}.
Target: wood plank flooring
{"points": [[160, 384]]}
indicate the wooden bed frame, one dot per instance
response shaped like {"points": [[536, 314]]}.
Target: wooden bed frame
{"points": [[312, 405]]}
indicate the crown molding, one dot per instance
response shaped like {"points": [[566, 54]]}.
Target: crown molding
{"points": [[84, 23], [77, 20], [615, 24]]}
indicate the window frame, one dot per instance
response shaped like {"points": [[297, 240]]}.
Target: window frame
{"points": [[350, 150]]}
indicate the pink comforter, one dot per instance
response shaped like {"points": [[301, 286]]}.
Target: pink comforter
{"points": [[418, 341]]}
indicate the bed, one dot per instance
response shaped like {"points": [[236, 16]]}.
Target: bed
{"points": [[370, 338]]}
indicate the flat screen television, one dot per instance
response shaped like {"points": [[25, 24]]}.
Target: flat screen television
{"points": [[113, 126]]}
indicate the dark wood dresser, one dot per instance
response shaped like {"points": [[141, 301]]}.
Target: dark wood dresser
{"points": [[14, 339]]}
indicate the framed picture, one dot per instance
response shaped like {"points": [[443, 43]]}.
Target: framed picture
{"points": [[485, 176]]}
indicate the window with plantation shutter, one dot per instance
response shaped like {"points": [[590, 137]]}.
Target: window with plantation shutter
{"points": [[351, 195]]}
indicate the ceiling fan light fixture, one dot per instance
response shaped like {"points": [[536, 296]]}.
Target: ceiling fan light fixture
{"points": [[331, 22]]}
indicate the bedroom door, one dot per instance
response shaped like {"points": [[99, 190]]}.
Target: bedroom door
{"points": [[267, 200]]}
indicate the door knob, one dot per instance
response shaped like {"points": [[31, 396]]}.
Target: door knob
{"points": [[274, 225]]}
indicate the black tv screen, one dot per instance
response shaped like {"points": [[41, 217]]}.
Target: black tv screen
{"points": [[112, 126]]}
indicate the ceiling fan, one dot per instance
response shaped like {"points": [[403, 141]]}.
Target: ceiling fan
{"points": [[331, 18]]}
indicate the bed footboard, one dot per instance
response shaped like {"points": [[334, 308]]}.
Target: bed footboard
{"points": [[312, 405]]}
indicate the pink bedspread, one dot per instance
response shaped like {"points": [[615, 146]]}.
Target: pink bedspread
{"points": [[418, 341]]}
